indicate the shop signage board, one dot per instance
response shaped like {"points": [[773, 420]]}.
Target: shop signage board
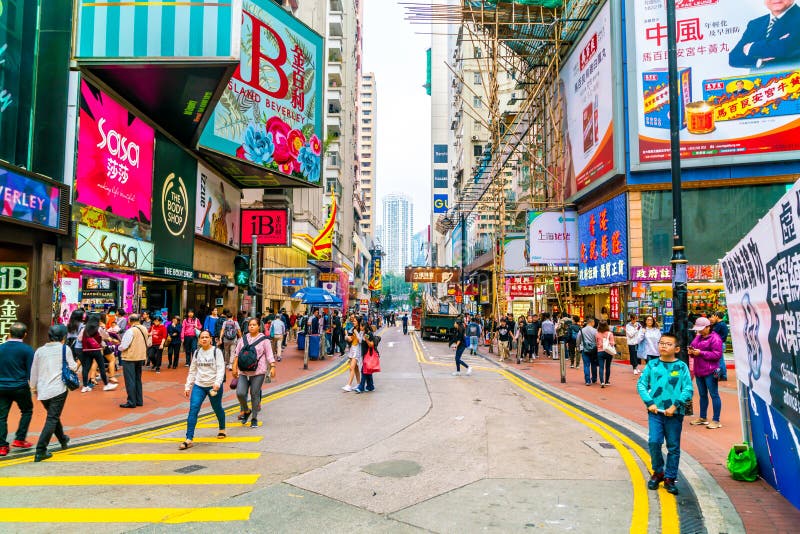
{"points": [[15, 302], [173, 272], [174, 186], [591, 96], [520, 286], [272, 226], [328, 277], [113, 250], [440, 203], [217, 213], [614, 305], [663, 273], [440, 153], [364, 305], [215, 278], [432, 275], [738, 86], [440, 178], [114, 175], [33, 200], [270, 115], [603, 233], [553, 237]]}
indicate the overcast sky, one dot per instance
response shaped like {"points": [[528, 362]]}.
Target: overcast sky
{"points": [[396, 54]]}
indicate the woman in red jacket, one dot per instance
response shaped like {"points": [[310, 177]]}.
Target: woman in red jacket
{"points": [[158, 338]]}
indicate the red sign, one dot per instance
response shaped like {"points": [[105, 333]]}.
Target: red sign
{"points": [[520, 286], [613, 313], [270, 225]]}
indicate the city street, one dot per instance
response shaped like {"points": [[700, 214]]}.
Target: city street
{"points": [[426, 451]]}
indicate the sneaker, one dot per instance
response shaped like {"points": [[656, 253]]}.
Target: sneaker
{"points": [[230, 367], [588, 383], [21, 444], [602, 385], [3, 451], [41, 457], [699, 421], [253, 422], [456, 373], [85, 389], [64, 443], [714, 424], [357, 390], [635, 371], [110, 387], [655, 480], [469, 371], [669, 485], [347, 388]]}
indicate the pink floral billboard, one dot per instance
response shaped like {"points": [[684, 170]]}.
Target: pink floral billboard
{"points": [[115, 165]]}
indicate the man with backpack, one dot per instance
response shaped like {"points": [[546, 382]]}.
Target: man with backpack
{"points": [[587, 340], [532, 329], [474, 333], [230, 334], [548, 334]]}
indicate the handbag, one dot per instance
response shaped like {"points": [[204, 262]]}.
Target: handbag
{"points": [[234, 383], [608, 347], [69, 376], [372, 362]]}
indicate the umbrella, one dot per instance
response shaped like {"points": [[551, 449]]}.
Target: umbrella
{"points": [[317, 296]]}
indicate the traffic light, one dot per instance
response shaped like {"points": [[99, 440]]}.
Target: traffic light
{"points": [[241, 265]]}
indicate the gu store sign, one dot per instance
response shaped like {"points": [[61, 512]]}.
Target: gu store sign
{"points": [[603, 234]]}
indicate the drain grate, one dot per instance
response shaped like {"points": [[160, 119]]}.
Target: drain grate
{"points": [[190, 469], [605, 445]]}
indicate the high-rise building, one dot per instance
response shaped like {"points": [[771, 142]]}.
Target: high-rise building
{"points": [[368, 129], [398, 224], [419, 249]]}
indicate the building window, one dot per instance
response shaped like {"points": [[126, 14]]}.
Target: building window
{"points": [[476, 77], [478, 52], [477, 150], [477, 102], [366, 165], [366, 130], [367, 112]]}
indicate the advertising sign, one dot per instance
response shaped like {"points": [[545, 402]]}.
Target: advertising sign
{"points": [[520, 286], [272, 226], [440, 178], [115, 166], [614, 304], [762, 274], [270, 115], [218, 203], [174, 186], [432, 275], [440, 204], [113, 250], [739, 81], [553, 237], [587, 90], [33, 200], [15, 303], [603, 233], [375, 276], [440, 153], [663, 273]]}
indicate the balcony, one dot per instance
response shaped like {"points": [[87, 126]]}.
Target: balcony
{"points": [[333, 161], [335, 24], [336, 5], [335, 97], [334, 75], [334, 55]]}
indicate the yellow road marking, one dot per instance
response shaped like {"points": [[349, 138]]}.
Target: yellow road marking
{"points": [[229, 439], [167, 457], [124, 515], [133, 480]]}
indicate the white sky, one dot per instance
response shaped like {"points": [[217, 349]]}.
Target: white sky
{"points": [[396, 54]]}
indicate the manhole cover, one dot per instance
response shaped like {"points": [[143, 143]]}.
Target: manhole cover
{"points": [[190, 469], [393, 469]]}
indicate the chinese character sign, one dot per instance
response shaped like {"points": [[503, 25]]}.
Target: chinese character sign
{"points": [[115, 163], [614, 306], [270, 115], [553, 237], [520, 286], [587, 89], [739, 78], [603, 249]]}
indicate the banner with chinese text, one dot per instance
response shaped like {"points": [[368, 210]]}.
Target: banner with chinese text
{"points": [[603, 234]]}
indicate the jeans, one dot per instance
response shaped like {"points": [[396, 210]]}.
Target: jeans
{"points": [[707, 385], [574, 355], [87, 357], [277, 346], [132, 372], [590, 364], [405, 328], [547, 343], [662, 427], [189, 346], [173, 353], [22, 396], [366, 383], [473, 343], [459, 352], [54, 406], [199, 394], [154, 355], [723, 369], [633, 355], [531, 347], [251, 384], [604, 361]]}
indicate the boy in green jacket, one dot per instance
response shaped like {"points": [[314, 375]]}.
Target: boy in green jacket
{"points": [[665, 387]]}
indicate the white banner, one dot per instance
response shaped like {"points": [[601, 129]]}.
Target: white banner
{"points": [[113, 250], [762, 282], [553, 238]]}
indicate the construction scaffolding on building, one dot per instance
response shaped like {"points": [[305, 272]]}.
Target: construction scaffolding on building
{"points": [[528, 39]]}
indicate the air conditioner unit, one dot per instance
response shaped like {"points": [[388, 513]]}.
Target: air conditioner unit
{"points": [[474, 137]]}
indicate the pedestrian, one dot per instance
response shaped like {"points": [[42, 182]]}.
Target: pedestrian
{"points": [[353, 336], [277, 332], [548, 334], [122, 321], [46, 381], [287, 326], [706, 349], [719, 326], [648, 339], [368, 344], [293, 326], [251, 357], [16, 359], [531, 330], [587, 341], [110, 343], [158, 339], [519, 338], [174, 347], [210, 325], [92, 354], [205, 379], [606, 351], [503, 340], [404, 320], [336, 333], [231, 333], [632, 329], [134, 353], [665, 387], [474, 333], [460, 338], [190, 329], [145, 320], [75, 331], [572, 341]]}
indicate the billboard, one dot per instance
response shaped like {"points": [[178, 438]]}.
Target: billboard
{"points": [[553, 237], [603, 234], [218, 203], [375, 275], [739, 81], [113, 250], [589, 91], [32, 200], [432, 275], [440, 153], [272, 226], [440, 178], [440, 204], [114, 174], [270, 115], [174, 186]]}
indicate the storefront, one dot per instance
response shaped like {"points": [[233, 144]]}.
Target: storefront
{"points": [[208, 291]]}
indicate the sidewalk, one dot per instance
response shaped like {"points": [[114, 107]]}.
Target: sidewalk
{"points": [[761, 508], [98, 412]]}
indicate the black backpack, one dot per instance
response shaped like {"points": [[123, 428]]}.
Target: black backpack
{"points": [[574, 330], [248, 357], [229, 330], [530, 329]]}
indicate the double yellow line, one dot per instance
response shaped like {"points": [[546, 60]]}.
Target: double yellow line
{"points": [[622, 443]]}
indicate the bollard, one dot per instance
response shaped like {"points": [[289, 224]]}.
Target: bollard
{"points": [[305, 352], [561, 347]]}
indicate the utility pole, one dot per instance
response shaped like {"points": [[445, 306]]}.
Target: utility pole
{"points": [[463, 259], [254, 273]]}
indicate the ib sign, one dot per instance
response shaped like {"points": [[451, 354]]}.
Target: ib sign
{"points": [[440, 204], [271, 226]]}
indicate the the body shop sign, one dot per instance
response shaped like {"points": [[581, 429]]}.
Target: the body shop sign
{"points": [[113, 250], [603, 233], [115, 165], [270, 115]]}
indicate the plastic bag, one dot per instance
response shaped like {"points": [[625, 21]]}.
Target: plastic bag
{"points": [[742, 463]]}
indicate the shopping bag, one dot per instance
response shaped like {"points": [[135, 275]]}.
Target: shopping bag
{"points": [[372, 362], [742, 463]]}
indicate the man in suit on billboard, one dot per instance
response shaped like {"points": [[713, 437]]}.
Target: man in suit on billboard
{"points": [[772, 41]]}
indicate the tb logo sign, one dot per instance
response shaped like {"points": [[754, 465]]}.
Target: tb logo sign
{"points": [[440, 204], [271, 226]]}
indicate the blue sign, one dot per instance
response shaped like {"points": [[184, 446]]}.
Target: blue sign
{"points": [[440, 204], [31, 200], [293, 282], [603, 234], [440, 153], [440, 178]]}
